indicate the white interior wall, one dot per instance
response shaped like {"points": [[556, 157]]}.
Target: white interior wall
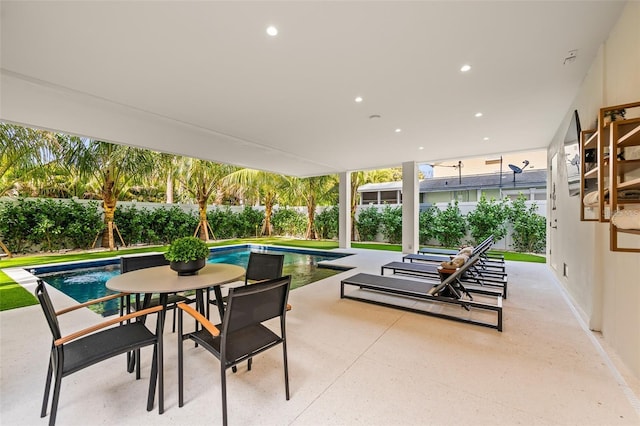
{"points": [[603, 284]]}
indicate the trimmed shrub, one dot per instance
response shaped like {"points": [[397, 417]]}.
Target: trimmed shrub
{"points": [[131, 223], [391, 223], [224, 223], [529, 228], [84, 224], [427, 225], [154, 226], [368, 223], [488, 218], [450, 226], [249, 222], [289, 222], [16, 221], [327, 223], [48, 224]]}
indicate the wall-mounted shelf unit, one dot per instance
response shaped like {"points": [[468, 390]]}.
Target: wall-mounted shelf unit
{"points": [[588, 172], [624, 176], [610, 174]]}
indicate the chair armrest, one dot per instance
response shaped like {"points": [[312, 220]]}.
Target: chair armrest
{"points": [[200, 318], [90, 302], [89, 330]]}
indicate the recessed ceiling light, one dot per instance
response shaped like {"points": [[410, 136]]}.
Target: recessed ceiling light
{"points": [[465, 68], [486, 138], [398, 130], [272, 31], [421, 147], [478, 114], [358, 99]]}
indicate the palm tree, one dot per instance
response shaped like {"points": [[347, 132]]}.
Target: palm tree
{"points": [[203, 179], [258, 186], [112, 168], [22, 151], [357, 179], [169, 167], [311, 192]]}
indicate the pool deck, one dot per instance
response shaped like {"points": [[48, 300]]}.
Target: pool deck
{"points": [[350, 363]]}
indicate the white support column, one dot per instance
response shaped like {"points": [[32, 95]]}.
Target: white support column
{"points": [[410, 207], [344, 209]]}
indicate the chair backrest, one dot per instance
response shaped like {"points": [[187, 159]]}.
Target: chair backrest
{"points": [[484, 245], [455, 276], [47, 308], [133, 263], [264, 266], [254, 304]]}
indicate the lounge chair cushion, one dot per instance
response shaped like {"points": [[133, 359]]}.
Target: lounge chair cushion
{"points": [[456, 262], [466, 251]]}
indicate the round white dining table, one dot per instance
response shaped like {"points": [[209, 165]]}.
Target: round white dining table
{"points": [[164, 280]]}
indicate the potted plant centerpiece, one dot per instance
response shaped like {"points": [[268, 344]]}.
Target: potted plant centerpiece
{"points": [[187, 255]]}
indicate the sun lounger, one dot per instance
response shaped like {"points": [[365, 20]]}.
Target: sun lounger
{"points": [[483, 264], [446, 252], [469, 276], [443, 293], [484, 247], [490, 265]]}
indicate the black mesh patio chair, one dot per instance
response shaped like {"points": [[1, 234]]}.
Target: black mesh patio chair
{"points": [[133, 263], [261, 266], [242, 334], [97, 343]]}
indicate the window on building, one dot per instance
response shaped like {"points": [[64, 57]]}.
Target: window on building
{"points": [[369, 197], [389, 197]]}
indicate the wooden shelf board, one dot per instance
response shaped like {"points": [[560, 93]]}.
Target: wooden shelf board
{"points": [[632, 137], [628, 231], [625, 166], [591, 142], [591, 174], [622, 106], [631, 184]]}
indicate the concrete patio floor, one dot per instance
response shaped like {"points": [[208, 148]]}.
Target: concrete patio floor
{"points": [[351, 363]]}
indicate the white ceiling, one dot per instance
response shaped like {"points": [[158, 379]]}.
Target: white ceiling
{"points": [[204, 79]]}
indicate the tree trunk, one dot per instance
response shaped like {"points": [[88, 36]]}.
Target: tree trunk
{"points": [[109, 205], [354, 205], [203, 226], [170, 182], [311, 215], [266, 225]]}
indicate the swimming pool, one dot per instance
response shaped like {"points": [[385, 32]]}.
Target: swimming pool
{"points": [[86, 281]]}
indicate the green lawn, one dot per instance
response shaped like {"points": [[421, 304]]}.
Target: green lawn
{"points": [[13, 295]]}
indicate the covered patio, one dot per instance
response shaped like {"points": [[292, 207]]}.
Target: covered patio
{"points": [[384, 88], [354, 363]]}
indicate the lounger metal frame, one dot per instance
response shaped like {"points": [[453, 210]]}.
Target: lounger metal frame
{"points": [[394, 286], [468, 275], [427, 291]]}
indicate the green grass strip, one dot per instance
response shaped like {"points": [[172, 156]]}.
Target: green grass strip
{"points": [[13, 295]]}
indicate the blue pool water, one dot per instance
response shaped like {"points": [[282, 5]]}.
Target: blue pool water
{"points": [[85, 282]]}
